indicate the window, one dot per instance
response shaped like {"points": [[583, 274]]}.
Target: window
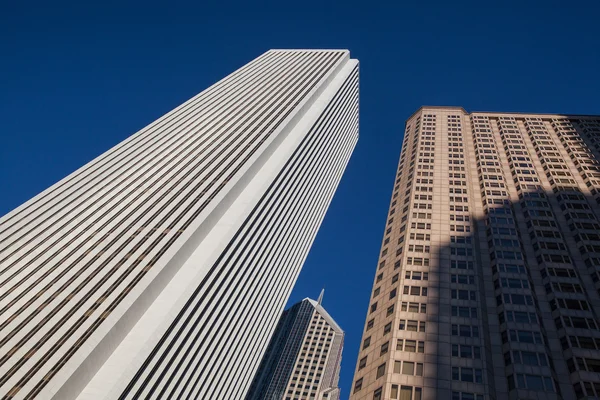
{"points": [[531, 382], [465, 374], [387, 328], [525, 337], [394, 392], [380, 371], [370, 323], [463, 294], [406, 393], [390, 311], [384, 348], [366, 342], [408, 368], [411, 326], [465, 330], [377, 394], [412, 368], [466, 351], [362, 363], [415, 290], [358, 385], [465, 312], [397, 367]]}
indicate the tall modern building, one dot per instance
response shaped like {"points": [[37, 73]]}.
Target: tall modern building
{"points": [[303, 359], [159, 270], [488, 278]]}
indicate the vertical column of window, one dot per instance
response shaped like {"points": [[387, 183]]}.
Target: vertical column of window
{"points": [[584, 155], [586, 161], [589, 128], [465, 327], [574, 308], [582, 222], [311, 364], [526, 361], [555, 167], [331, 342], [507, 259], [299, 376], [283, 377], [377, 341], [409, 351], [589, 167], [411, 159]]}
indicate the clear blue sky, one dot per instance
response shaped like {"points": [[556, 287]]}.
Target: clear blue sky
{"points": [[77, 78]]}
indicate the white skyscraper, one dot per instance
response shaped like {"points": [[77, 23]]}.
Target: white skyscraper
{"points": [[160, 269]]}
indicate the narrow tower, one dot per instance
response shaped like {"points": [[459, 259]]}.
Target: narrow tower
{"points": [[303, 358]]}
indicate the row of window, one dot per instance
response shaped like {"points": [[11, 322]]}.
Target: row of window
{"points": [[522, 336], [530, 382], [525, 358]]}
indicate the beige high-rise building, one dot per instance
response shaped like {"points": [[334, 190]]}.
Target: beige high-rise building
{"points": [[487, 284]]}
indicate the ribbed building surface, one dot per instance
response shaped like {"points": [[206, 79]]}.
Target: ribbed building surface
{"points": [[303, 359], [159, 269], [488, 281]]}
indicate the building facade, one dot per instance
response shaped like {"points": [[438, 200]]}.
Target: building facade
{"points": [[303, 359], [488, 278], [159, 269]]}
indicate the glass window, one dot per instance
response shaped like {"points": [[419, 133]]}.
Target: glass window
{"points": [[380, 370], [394, 392], [358, 385], [411, 326], [534, 382], [529, 358], [406, 393], [408, 368], [418, 393], [466, 374], [377, 394]]}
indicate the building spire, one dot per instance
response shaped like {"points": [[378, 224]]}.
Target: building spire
{"points": [[320, 300]]}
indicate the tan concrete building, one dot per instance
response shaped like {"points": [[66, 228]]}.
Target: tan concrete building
{"points": [[488, 278]]}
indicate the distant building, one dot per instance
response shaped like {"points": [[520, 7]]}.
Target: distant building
{"points": [[303, 358], [487, 284]]}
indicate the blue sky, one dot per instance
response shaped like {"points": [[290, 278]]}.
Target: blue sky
{"points": [[77, 78]]}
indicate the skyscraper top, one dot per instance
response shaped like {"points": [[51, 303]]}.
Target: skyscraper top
{"points": [[303, 357]]}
